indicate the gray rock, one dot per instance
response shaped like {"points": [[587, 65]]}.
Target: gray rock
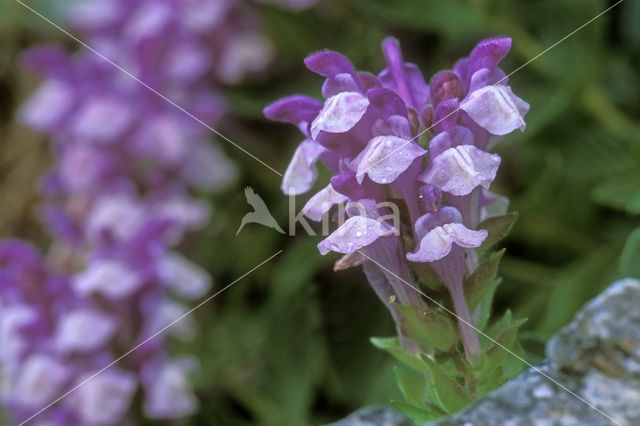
{"points": [[374, 416], [591, 376]]}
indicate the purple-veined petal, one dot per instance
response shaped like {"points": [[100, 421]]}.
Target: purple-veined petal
{"points": [[496, 109], [386, 157], [301, 173], [463, 236], [459, 170], [457, 135], [395, 125], [355, 233], [429, 221], [340, 113], [485, 77], [437, 242], [322, 202], [435, 245]]}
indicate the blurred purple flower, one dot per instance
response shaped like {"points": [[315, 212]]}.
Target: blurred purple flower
{"points": [[118, 201]]}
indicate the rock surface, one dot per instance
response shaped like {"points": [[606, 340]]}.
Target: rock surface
{"points": [[591, 376]]}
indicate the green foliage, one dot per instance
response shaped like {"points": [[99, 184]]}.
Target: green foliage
{"points": [[630, 258], [498, 228], [430, 328], [287, 346]]}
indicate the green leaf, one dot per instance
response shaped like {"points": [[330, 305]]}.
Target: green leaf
{"points": [[428, 277], [451, 396], [482, 280], [412, 389], [504, 345], [428, 327], [620, 192], [481, 316], [492, 382], [498, 227], [513, 365], [629, 264], [417, 414], [392, 346]]}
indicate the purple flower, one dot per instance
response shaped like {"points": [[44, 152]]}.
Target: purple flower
{"points": [[371, 130], [439, 231], [84, 330], [460, 170], [105, 398]]}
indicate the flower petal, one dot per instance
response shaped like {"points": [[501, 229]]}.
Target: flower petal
{"points": [[386, 157], [459, 170], [342, 82], [168, 393], [294, 109], [395, 125], [84, 330], [108, 277], [347, 185], [329, 64], [463, 236], [104, 399], [355, 233], [488, 53], [445, 85], [437, 243], [301, 173], [340, 113], [457, 135], [445, 115], [496, 109], [322, 202], [433, 246]]}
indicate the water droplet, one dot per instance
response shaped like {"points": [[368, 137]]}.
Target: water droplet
{"points": [[359, 234]]}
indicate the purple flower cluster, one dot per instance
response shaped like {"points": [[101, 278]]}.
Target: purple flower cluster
{"points": [[118, 202], [398, 146]]}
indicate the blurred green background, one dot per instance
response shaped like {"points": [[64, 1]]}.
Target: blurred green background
{"points": [[289, 345]]}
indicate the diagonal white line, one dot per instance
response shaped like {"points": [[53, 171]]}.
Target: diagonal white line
{"points": [[503, 79], [496, 342], [162, 330], [151, 89]]}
